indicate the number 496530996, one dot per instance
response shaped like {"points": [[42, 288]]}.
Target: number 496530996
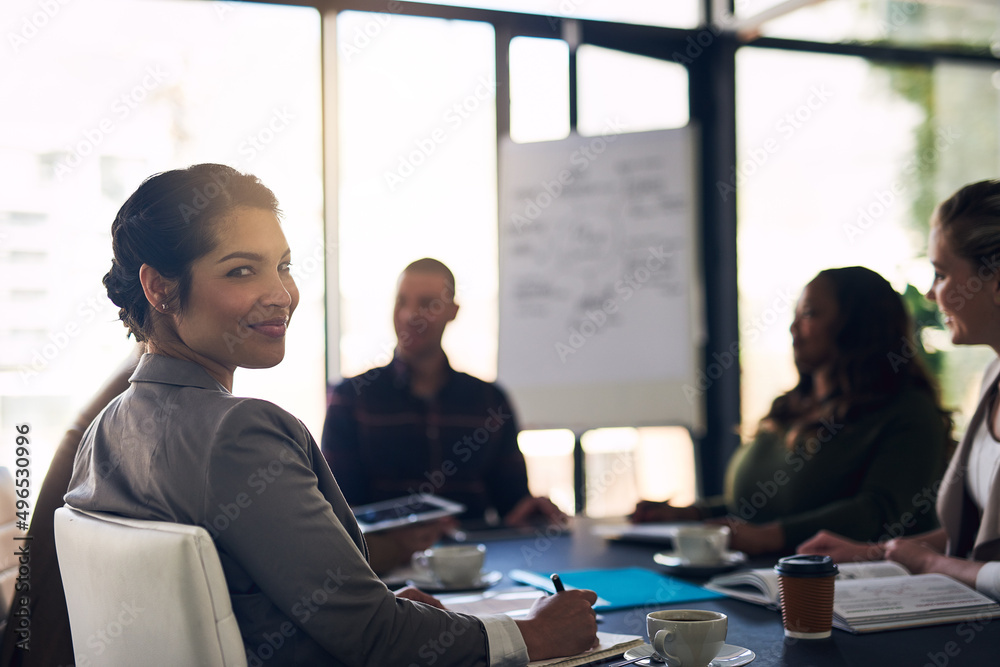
{"points": [[22, 475]]}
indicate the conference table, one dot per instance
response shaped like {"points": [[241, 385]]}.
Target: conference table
{"points": [[973, 644]]}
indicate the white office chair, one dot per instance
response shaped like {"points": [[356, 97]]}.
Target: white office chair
{"points": [[8, 547], [145, 592]]}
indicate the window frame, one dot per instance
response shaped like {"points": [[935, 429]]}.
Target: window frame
{"points": [[709, 53]]}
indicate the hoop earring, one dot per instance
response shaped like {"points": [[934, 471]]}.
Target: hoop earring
{"points": [[163, 307]]}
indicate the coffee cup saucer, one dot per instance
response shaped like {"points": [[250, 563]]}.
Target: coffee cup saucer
{"points": [[729, 656], [431, 584], [672, 561]]}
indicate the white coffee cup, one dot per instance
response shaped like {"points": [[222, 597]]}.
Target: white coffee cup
{"points": [[703, 544], [454, 565], [687, 637]]}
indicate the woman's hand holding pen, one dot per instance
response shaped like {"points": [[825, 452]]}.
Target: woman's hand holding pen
{"points": [[560, 624]]}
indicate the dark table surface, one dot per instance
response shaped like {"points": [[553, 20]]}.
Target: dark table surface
{"points": [[972, 644]]}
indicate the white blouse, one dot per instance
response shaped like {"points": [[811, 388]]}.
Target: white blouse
{"points": [[984, 460]]}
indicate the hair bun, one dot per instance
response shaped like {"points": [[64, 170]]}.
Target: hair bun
{"points": [[117, 284]]}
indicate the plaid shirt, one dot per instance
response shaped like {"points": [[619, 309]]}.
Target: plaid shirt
{"points": [[383, 442]]}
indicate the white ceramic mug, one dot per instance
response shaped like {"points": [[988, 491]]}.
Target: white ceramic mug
{"points": [[454, 565], [703, 544], [687, 637]]}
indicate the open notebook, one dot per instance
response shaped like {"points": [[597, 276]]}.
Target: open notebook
{"points": [[516, 601]]}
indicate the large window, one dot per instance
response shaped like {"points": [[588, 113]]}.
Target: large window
{"points": [[966, 24], [417, 164], [841, 161], [102, 95], [676, 13], [417, 136]]}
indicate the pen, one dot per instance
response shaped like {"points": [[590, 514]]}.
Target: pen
{"points": [[557, 582]]}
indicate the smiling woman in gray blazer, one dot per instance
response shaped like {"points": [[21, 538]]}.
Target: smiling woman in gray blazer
{"points": [[201, 274]]}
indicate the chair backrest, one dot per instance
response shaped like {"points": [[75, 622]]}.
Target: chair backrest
{"points": [[144, 592], [8, 531]]}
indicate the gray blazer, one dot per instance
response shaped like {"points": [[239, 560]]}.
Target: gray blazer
{"points": [[176, 446]]}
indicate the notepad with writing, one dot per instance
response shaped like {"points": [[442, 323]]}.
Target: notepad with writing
{"points": [[622, 588], [611, 646]]}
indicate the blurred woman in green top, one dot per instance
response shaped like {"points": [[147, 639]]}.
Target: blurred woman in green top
{"points": [[858, 446]]}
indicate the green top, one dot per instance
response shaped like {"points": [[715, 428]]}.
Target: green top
{"points": [[876, 478]]}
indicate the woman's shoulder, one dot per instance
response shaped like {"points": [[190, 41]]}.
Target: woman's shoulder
{"points": [[990, 375], [247, 411], [914, 404], [226, 418], [913, 396]]}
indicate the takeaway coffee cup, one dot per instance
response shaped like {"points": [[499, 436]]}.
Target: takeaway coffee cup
{"points": [[806, 587], [687, 637], [701, 544], [454, 565]]}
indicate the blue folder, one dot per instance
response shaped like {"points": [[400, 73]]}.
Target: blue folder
{"points": [[622, 588]]}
